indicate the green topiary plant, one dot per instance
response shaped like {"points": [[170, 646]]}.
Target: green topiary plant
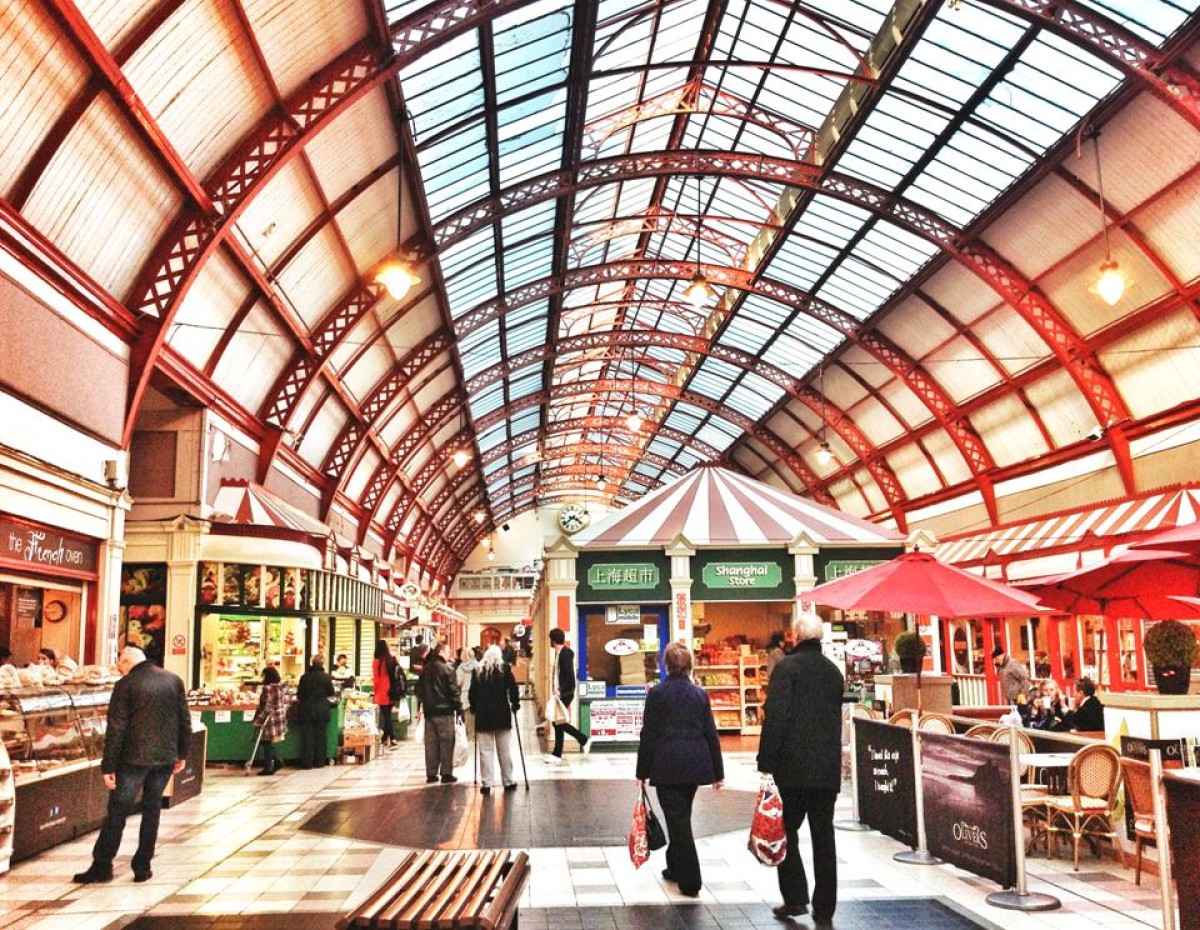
{"points": [[910, 650], [1170, 648]]}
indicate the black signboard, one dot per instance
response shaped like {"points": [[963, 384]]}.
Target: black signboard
{"points": [[1137, 747], [887, 799], [968, 805], [1183, 813], [29, 608]]}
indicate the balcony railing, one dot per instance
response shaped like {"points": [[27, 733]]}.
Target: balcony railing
{"points": [[495, 584]]}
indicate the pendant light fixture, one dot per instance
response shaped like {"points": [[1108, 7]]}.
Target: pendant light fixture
{"points": [[396, 274], [462, 454], [824, 453], [634, 420], [698, 291], [1111, 282]]}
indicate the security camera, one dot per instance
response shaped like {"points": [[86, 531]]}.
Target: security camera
{"points": [[1097, 433]]}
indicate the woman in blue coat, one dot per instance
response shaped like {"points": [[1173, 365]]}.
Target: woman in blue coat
{"points": [[679, 751]]}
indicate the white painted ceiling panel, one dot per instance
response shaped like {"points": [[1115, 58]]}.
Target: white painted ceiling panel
{"points": [[370, 368], [961, 370], [207, 309], [356, 143], [317, 276], [297, 37], [322, 430], [1062, 408], [921, 332], [1172, 228], [368, 223], [281, 210], [255, 356], [1154, 366], [1008, 431], [912, 470], [1049, 224], [1010, 340], [363, 469]]}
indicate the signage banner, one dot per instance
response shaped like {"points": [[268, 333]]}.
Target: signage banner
{"points": [[1174, 756], [742, 575], [1183, 813], [840, 568], [887, 799], [968, 814], [629, 576], [43, 547], [616, 720], [623, 615]]}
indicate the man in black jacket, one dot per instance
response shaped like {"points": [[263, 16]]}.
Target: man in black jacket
{"points": [[441, 702], [801, 746], [563, 665], [149, 728]]}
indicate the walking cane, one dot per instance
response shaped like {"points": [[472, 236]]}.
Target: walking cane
{"points": [[475, 781], [521, 748]]}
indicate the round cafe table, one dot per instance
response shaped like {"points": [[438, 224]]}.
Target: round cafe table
{"points": [[1052, 766]]}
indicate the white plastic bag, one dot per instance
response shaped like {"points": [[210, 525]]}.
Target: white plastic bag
{"points": [[419, 729], [556, 711], [402, 713], [462, 749]]}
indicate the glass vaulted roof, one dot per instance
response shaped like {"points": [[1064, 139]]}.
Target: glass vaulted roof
{"points": [[574, 163]]}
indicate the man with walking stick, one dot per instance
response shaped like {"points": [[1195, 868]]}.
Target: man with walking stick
{"points": [[493, 694]]}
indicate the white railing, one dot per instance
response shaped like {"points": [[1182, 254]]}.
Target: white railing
{"points": [[493, 583]]}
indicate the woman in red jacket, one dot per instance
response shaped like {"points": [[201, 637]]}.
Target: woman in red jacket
{"points": [[384, 671]]}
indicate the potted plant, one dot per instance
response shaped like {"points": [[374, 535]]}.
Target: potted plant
{"points": [[910, 650], [1170, 647]]}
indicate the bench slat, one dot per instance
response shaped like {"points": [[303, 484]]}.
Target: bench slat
{"points": [[477, 893], [403, 909], [479, 876], [455, 879], [508, 896], [367, 911]]}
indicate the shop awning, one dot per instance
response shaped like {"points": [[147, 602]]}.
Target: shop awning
{"points": [[1062, 543], [244, 503], [712, 506]]}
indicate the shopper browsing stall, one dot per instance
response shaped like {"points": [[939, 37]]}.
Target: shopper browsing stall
{"points": [[314, 695]]}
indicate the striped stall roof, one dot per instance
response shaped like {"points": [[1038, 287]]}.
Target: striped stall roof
{"points": [[245, 503], [711, 506], [1099, 527]]}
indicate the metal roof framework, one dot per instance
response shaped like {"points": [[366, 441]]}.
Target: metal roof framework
{"points": [[884, 195]]}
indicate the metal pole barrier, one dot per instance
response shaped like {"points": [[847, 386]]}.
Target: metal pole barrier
{"points": [[920, 855], [854, 824], [1162, 839], [1019, 899]]}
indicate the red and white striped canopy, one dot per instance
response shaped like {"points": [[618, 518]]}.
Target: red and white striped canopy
{"points": [[1096, 528], [244, 503], [711, 506]]}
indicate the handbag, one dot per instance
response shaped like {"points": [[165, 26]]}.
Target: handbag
{"points": [[656, 836], [768, 839], [639, 841], [556, 711], [462, 749]]}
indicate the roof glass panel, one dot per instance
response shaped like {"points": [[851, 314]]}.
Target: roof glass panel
{"points": [[1153, 20], [798, 357], [485, 401], [712, 433], [525, 385], [481, 349], [754, 396]]}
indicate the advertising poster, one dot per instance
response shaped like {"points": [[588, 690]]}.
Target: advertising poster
{"points": [[616, 720], [144, 609], [1183, 813], [968, 805], [887, 799]]}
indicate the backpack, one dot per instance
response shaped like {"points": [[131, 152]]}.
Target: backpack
{"points": [[397, 689]]}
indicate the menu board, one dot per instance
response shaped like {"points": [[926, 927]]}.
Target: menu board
{"points": [[887, 799], [29, 608]]}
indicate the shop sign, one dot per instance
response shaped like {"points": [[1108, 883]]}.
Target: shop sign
{"points": [[623, 615], [44, 548], [841, 568], [623, 577], [621, 647], [589, 690], [742, 575]]}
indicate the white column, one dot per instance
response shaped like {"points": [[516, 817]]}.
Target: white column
{"points": [[681, 621], [108, 585], [803, 551], [561, 614]]}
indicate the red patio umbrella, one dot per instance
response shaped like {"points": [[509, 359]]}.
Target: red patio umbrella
{"points": [[1129, 576], [1140, 607], [918, 583], [1184, 538]]}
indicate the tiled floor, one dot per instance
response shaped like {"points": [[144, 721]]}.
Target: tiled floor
{"points": [[246, 853]]}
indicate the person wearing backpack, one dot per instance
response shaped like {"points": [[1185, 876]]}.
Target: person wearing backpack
{"points": [[384, 672]]}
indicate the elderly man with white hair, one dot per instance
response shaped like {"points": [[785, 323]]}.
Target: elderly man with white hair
{"points": [[149, 728], [801, 746]]}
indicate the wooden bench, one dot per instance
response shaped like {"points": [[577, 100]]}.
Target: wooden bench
{"points": [[438, 890]]}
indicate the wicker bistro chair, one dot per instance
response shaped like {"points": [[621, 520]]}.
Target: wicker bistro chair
{"points": [[862, 710], [936, 723], [1033, 795], [901, 718], [1092, 777], [980, 731], [1140, 795]]}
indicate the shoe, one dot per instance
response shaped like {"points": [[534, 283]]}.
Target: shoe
{"points": [[486, 789], [790, 910], [552, 759], [511, 787], [140, 877], [669, 876], [93, 876], [586, 746], [690, 894], [448, 779], [430, 779]]}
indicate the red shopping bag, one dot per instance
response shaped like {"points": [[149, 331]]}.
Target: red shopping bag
{"points": [[639, 841], [768, 841]]}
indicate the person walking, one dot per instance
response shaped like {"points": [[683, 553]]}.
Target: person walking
{"points": [[440, 702], [464, 672], [801, 746], [314, 695], [494, 698], [271, 715], [146, 741], [562, 674], [1014, 677], [383, 674], [679, 750]]}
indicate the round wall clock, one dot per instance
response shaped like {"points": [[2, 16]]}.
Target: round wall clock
{"points": [[572, 518]]}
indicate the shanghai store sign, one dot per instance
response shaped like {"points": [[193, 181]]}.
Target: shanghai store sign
{"points": [[42, 547], [742, 575]]}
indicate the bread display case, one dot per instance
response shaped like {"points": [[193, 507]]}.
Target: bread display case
{"points": [[54, 740]]}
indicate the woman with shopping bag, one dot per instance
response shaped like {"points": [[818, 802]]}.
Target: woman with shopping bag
{"points": [[679, 751], [440, 706], [558, 708]]}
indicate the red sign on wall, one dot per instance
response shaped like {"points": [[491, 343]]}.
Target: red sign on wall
{"points": [[46, 549]]}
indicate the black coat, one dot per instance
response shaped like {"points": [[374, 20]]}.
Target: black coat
{"points": [[1089, 715], [679, 743], [566, 675], [148, 720], [493, 694], [801, 741], [437, 688], [313, 694]]}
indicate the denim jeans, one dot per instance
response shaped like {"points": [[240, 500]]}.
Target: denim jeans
{"points": [[151, 780]]}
